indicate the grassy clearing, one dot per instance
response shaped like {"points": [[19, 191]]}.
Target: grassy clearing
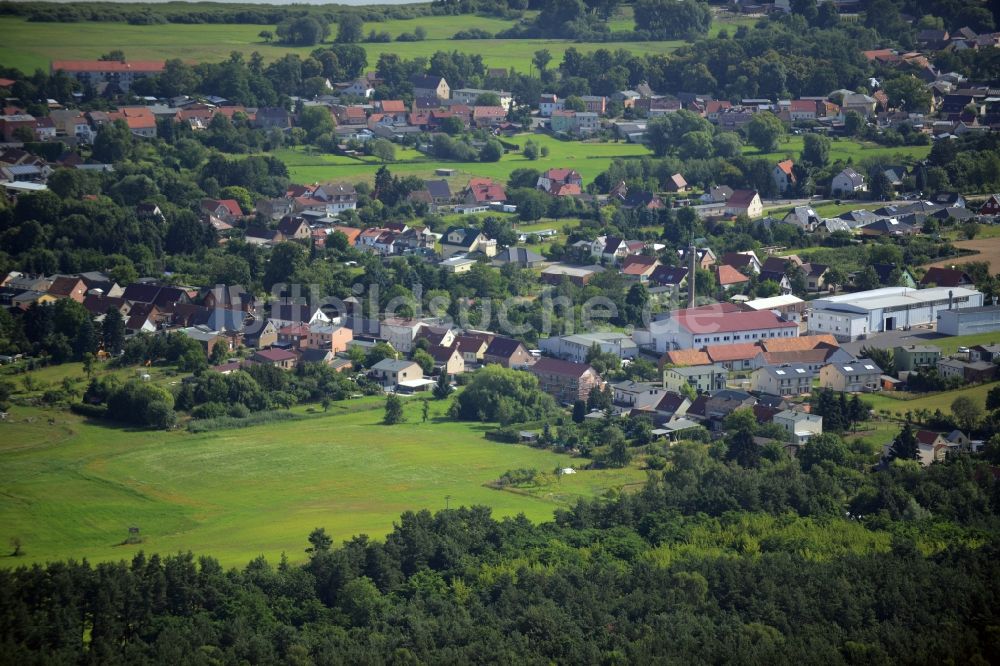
{"points": [[28, 46], [71, 488], [898, 405], [847, 150], [589, 158]]}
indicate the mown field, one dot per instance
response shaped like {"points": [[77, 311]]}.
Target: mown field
{"points": [[842, 149], [932, 401], [28, 46], [589, 158], [72, 488]]}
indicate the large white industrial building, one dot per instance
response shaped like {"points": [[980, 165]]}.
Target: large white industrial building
{"points": [[970, 320], [852, 316]]}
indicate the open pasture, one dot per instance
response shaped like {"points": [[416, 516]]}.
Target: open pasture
{"points": [[72, 488]]}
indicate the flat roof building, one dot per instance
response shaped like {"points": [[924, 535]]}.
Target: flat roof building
{"points": [[851, 316]]}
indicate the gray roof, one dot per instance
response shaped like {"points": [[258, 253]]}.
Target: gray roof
{"points": [[392, 365]]}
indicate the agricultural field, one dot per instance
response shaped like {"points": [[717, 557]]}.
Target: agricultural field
{"points": [[72, 488], [843, 150], [28, 46], [589, 158], [987, 249]]}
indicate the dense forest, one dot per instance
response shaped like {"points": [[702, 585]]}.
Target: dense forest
{"points": [[710, 563]]}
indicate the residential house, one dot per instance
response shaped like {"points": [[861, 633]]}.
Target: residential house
{"points": [[946, 277], [847, 183], [472, 348], [470, 96], [722, 403], [857, 376], [227, 210], [630, 395], [676, 183], [440, 193], [597, 104], [400, 333], [463, 240], [430, 86], [989, 353], [746, 262], [783, 176], [506, 352], [566, 381], [801, 426], [701, 378], [390, 372], [730, 278], [970, 372], [909, 358], [140, 120], [815, 276], [447, 360], [745, 202], [66, 286], [783, 380], [279, 358], [337, 197], [636, 198], [991, 206], [733, 356], [931, 447], [272, 117], [669, 276], [294, 228], [549, 103], [120, 73], [285, 313], [329, 337], [639, 267], [560, 182], [484, 191], [683, 358], [519, 256], [293, 336]]}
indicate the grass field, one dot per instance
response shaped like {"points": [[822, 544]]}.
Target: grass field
{"points": [[932, 402], [589, 158], [28, 46], [841, 149], [71, 488]]}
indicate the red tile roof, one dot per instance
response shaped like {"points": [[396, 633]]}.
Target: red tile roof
{"points": [[700, 321], [738, 352], [727, 275], [685, 357], [786, 166], [800, 343]]}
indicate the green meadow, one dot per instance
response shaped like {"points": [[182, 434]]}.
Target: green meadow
{"points": [[846, 150], [589, 158], [72, 488], [899, 405], [28, 46]]}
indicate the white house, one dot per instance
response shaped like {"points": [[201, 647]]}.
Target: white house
{"points": [[847, 182], [801, 426]]}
